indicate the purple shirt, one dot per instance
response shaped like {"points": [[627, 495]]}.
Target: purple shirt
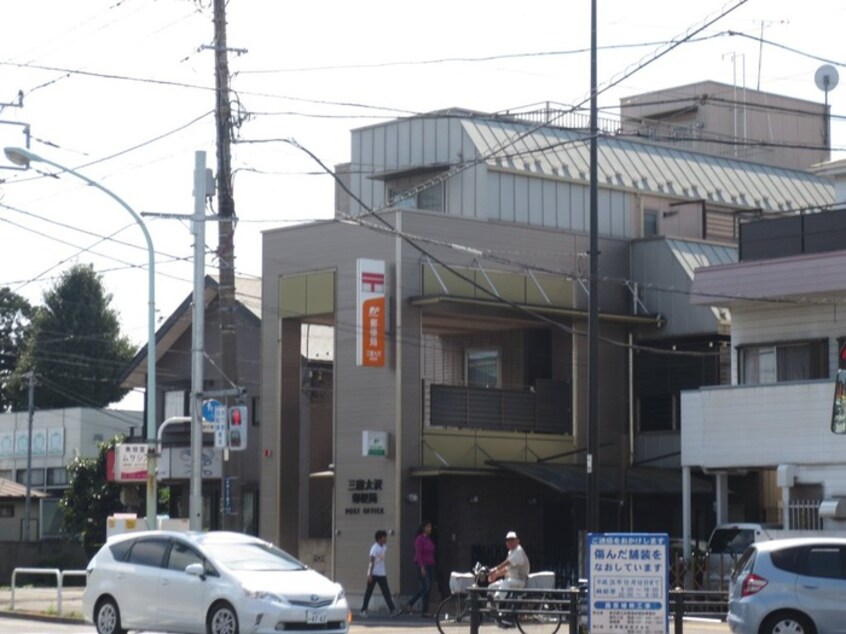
{"points": [[424, 550]]}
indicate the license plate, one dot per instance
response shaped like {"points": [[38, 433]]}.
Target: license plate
{"points": [[315, 616]]}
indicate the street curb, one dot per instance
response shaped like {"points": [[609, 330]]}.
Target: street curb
{"points": [[40, 616]]}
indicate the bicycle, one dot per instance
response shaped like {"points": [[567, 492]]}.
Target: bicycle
{"points": [[532, 610]]}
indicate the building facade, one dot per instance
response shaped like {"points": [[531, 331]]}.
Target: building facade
{"points": [[238, 508], [460, 396], [766, 439], [58, 436]]}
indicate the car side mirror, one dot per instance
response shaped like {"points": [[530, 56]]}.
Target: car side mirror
{"points": [[198, 570]]}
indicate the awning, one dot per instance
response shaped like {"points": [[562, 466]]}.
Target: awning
{"points": [[572, 479]]}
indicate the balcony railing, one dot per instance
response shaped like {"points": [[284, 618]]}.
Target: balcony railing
{"points": [[544, 408]]}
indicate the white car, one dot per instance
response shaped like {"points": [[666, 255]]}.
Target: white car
{"points": [[207, 583]]}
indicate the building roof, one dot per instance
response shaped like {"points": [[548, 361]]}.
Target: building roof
{"points": [[247, 295], [645, 168], [12, 490]]}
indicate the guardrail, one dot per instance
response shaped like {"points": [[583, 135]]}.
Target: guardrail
{"points": [[55, 572], [569, 607]]}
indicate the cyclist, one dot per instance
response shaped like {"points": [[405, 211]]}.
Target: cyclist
{"points": [[511, 574]]}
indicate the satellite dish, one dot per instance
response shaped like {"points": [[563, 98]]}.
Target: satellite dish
{"points": [[826, 77]]}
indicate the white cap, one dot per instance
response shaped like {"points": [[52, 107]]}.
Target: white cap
{"points": [[511, 535]]}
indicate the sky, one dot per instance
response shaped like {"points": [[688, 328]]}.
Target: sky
{"points": [[123, 92]]}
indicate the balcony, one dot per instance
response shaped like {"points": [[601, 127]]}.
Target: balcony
{"points": [[543, 408], [760, 425]]}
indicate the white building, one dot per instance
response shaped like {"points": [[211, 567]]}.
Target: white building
{"points": [[766, 438], [58, 436]]}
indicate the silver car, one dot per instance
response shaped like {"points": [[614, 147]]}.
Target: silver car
{"points": [[207, 583], [790, 586]]}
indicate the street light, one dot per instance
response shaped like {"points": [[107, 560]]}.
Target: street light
{"points": [[23, 157]]}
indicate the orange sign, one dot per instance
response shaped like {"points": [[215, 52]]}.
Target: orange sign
{"points": [[373, 333], [370, 321]]}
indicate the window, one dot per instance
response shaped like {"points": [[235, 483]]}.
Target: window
{"points": [[175, 403], [773, 363], [7, 510], [483, 368], [825, 561], [148, 552], [430, 199], [37, 477], [658, 412], [57, 476], [181, 556], [650, 223]]}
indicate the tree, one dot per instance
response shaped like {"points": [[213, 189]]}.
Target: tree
{"points": [[90, 498], [15, 316], [74, 346]]}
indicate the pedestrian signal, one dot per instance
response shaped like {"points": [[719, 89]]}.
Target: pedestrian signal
{"points": [[237, 424]]}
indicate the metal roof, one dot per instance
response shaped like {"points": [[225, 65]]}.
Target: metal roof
{"points": [[10, 489], [693, 255], [645, 168]]}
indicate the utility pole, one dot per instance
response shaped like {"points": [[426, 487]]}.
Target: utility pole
{"points": [[226, 209], [592, 510], [31, 409], [198, 329]]}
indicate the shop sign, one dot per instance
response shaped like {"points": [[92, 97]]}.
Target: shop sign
{"points": [[370, 313], [364, 497]]}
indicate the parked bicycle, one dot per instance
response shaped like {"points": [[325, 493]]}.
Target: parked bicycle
{"points": [[533, 610]]}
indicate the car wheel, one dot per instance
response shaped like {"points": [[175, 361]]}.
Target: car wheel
{"points": [[107, 617], [223, 620], [787, 623]]}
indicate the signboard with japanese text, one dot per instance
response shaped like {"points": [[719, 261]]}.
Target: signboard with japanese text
{"points": [[364, 497], [628, 583], [175, 464], [130, 462], [370, 314]]}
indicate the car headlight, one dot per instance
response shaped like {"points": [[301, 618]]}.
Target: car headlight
{"points": [[264, 595], [340, 595]]}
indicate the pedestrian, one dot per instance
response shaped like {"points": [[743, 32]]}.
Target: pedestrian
{"points": [[511, 574], [378, 574], [424, 558]]}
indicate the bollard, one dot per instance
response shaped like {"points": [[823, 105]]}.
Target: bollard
{"points": [[573, 615], [678, 610], [474, 612]]}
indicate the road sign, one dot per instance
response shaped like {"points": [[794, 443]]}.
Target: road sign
{"points": [[210, 407], [628, 583]]}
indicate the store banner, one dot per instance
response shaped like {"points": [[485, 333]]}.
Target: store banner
{"points": [[371, 308]]}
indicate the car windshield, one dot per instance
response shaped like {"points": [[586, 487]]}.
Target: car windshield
{"points": [[731, 540], [253, 556]]}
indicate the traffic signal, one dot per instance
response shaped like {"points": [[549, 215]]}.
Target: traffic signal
{"points": [[236, 430]]}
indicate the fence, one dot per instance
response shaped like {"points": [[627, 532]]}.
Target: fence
{"points": [[570, 606], [54, 572]]}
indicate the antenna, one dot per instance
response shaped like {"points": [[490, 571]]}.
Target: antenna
{"points": [[826, 79]]}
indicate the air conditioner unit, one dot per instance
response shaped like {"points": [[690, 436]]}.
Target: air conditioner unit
{"points": [[834, 508]]}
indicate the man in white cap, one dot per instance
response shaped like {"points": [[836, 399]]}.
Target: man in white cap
{"points": [[511, 574]]}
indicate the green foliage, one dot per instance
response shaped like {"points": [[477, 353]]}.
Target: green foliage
{"points": [[90, 499], [74, 346], [15, 316]]}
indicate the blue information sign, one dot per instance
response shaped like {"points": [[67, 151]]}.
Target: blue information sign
{"points": [[210, 407], [628, 583]]}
